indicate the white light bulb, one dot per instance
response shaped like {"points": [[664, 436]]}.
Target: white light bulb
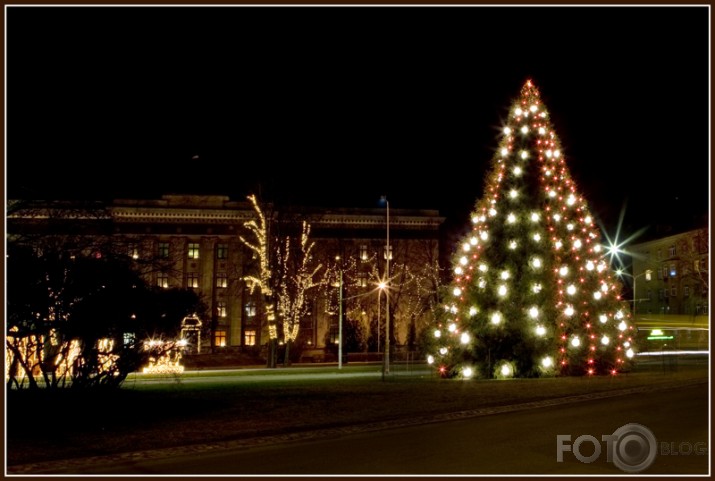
{"points": [[542, 131], [597, 295], [575, 342], [463, 260], [524, 129], [505, 275], [483, 267], [472, 311], [536, 288], [540, 330], [571, 289], [502, 290], [629, 353], [466, 247], [517, 171], [569, 311], [458, 270], [457, 291], [467, 372], [622, 326], [492, 212], [536, 262], [547, 362], [524, 154], [590, 265], [504, 152], [484, 235], [507, 130], [430, 359], [452, 327], [518, 112], [506, 370], [511, 218], [437, 333], [512, 244], [443, 351], [534, 312], [496, 318], [473, 240], [605, 340], [537, 237], [603, 318], [564, 270], [464, 339], [534, 217], [513, 193]]}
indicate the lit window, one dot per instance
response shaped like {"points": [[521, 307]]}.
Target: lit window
{"points": [[686, 291], [250, 309], [249, 338], [129, 338], [362, 279], [220, 338], [193, 250], [363, 252], [222, 280], [162, 280], [673, 291], [133, 251], [221, 309], [192, 280], [222, 251], [163, 250], [673, 270], [671, 251]]}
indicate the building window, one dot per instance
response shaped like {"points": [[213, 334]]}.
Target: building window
{"points": [[220, 338], [249, 338], [163, 250], [673, 271], [662, 293], [222, 251], [686, 291], [649, 295], [250, 309], [192, 280], [222, 280], [671, 251], [193, 250], [221, 309], [384, 252], [362, 279], [129, 338], [661, 271], [673, 291], [162, 280], [363, 252], [133, 251]]}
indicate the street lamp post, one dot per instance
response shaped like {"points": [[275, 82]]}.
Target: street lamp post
{"points": [[645, 273], [386, 361], [340, 318]]}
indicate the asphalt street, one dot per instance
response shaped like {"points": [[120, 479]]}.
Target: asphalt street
{"points": [[520, 442]]}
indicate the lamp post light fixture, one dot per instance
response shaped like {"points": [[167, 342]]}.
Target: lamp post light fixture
{"points": [[647, 273], [386, 358]]}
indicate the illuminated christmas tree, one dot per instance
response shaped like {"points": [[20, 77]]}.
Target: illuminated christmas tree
{"points": [[532, 292]]}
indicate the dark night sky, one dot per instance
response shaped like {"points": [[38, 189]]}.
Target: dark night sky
{"points": [[336, 106]]}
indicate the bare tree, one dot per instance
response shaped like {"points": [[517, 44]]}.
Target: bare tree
{"points": [[285, 274], [298, 275]]}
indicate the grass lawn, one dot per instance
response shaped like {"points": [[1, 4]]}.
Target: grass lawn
{"points": [[228, 405]]}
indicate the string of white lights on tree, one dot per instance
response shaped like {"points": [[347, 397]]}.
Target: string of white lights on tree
{"points": [[532, 294]]}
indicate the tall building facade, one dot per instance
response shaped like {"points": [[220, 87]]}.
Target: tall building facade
{"points": [[197, 242], [671, 274]]}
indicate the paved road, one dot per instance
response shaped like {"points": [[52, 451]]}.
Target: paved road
{"points": [[521, 442]]}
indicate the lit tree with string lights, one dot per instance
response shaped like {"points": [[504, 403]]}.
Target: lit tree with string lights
{"points": [[285, 275], [532, 293]]}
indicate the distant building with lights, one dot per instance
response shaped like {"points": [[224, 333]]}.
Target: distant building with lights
{"points": [[199, 235], [671, 289]]}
